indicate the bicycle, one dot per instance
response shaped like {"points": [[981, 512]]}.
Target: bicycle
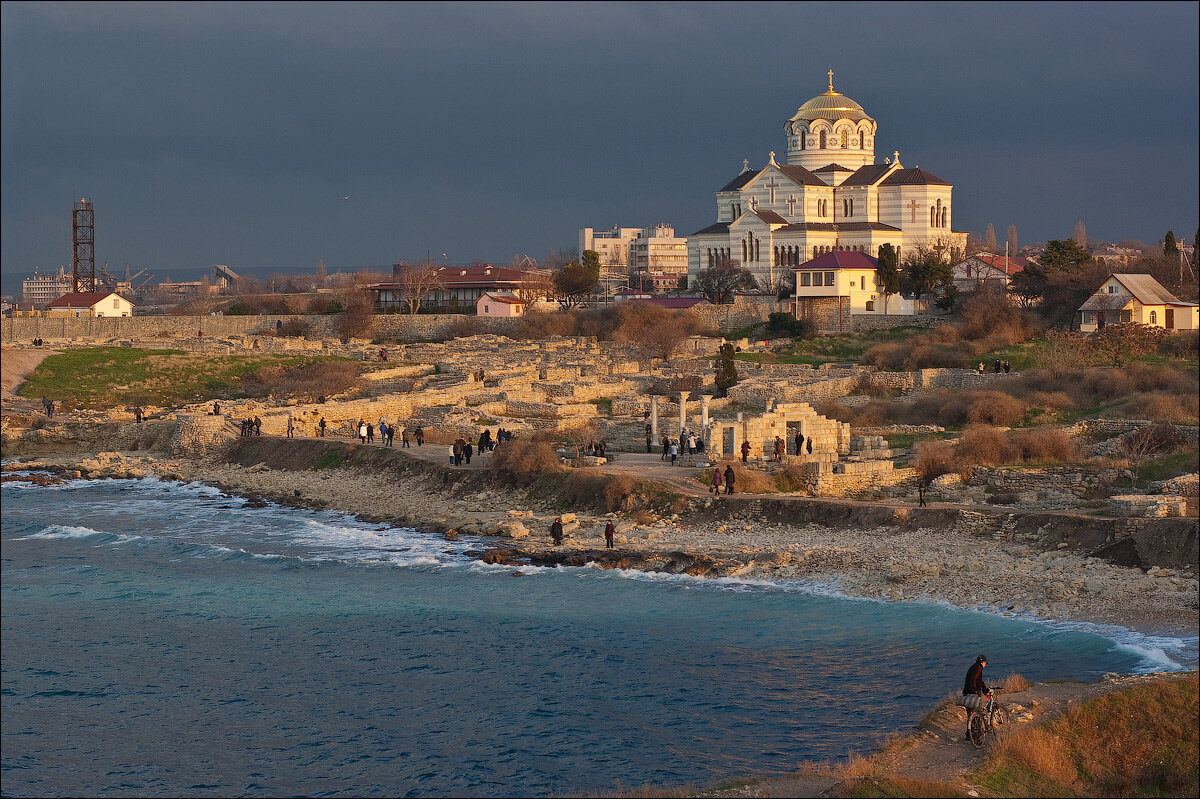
{"points": [[986, 719]]}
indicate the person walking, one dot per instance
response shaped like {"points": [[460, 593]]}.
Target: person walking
{"points": [[362, 431], [666, 446], [745, 450], [291, 428], [404, 437], [370, 433], [257, 426], [674, 452], [419, 433], [391, 434], [729, 478], [216, 409], [321, 427], [649, 438], [799, 443], [921, 495], [1006, 367], [467, 449], [458, 452], [556, 531], [808, 445], [610, 531], [716, 481], [452, 455]]}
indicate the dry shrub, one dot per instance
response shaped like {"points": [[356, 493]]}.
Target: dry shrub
{"points": [[835, 410], [293, 328], [618, 492], [1051, 400], [934, 458], [526, 458], [982, 445], [1043, 444], [1160, 407], [994, 407], [1182, 345], [310, 381], [643, 516], [1013, 684], [792, 478], [1040, 751], [749, 481], [874, 414], [463, 327]]}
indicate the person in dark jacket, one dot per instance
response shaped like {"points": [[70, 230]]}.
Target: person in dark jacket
{"points": [[556, 531], [799, 443], [610, 530], [729, 478], [745, 450], [974, 684]]}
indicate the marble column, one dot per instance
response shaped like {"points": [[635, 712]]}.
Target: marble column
{"points": [[704, 400], [683, 398], [654, 418]]}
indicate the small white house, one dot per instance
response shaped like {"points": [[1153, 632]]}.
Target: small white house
{"points": [[839, 284], [499, 303], [90, 304], [1140, 299]]}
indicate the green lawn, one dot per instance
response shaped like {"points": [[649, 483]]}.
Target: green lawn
{"points": [[102, 377], [841, 348]]}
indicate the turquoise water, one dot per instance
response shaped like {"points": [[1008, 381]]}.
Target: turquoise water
{"points": [[162, 639]]}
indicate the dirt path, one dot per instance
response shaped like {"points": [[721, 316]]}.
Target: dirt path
{"points": [[937, 750], [15, 364]]}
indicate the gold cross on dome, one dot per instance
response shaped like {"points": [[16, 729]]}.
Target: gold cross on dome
{"points": [[831, 81]]}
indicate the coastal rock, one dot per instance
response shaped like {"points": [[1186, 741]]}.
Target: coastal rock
{"points": [[512, 529]]}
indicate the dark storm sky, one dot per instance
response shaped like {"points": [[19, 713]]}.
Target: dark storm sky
{"points": [[215, 133]]}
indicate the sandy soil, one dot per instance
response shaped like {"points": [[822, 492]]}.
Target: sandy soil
{"points": [[15, 364]]}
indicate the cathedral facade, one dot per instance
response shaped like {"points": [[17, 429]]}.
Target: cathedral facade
{"points": [[828, 195]]}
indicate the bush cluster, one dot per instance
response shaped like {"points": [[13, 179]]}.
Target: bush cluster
{"points": [[310, 381]]}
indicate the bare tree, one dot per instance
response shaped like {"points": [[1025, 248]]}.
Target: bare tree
{"points": [[989, 238], [415, 282], [321, 274], [1080, 234], [535, 285], [1012, 238], [579, 437], [722, 282], [662, 339]]}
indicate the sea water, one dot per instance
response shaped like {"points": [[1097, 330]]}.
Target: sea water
{"points": [[165, 639]]}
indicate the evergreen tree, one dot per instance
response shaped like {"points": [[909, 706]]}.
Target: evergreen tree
{"points": [[1065, 254], [887, 273], [726, 376], [1170, 248]]}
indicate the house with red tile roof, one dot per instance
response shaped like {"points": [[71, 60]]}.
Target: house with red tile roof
{"points": [[90, 304], [833, 287], [985, 269]]}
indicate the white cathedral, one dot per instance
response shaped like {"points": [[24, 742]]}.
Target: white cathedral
{"points": [[830, 195]]}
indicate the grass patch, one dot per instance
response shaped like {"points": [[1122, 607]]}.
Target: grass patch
{"points": [[1141, 741], [103, 377], [1168, 466], [329, 460]]}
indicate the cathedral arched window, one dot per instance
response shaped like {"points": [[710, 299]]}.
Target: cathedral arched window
{"points": [[861, 138], [845, 138], [803, 135], [822, 140], [932, 218]]}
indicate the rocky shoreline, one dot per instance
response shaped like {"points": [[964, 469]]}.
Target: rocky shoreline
{"points": [[710, 538]]}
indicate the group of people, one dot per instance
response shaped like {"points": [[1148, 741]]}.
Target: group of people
{"points": [[460, 451], [998, 367], [48, 407], [780, 446], [672, 448], [596, 448], [251, 426]]}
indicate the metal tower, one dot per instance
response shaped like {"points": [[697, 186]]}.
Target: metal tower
{"points": [[83, 247]]}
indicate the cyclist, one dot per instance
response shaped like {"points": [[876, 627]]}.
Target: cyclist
{"points": [[974, 684]]}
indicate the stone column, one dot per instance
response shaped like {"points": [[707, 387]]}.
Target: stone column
{"points": [[704, 400], [654, 417], [683, 398]]}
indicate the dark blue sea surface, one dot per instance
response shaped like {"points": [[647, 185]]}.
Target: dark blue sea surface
{"points": [[161, 639]]}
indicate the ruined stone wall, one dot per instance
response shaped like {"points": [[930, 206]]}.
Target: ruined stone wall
{"points": [[741, 313], [386, 326], [197, 434], [871, 321]]}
